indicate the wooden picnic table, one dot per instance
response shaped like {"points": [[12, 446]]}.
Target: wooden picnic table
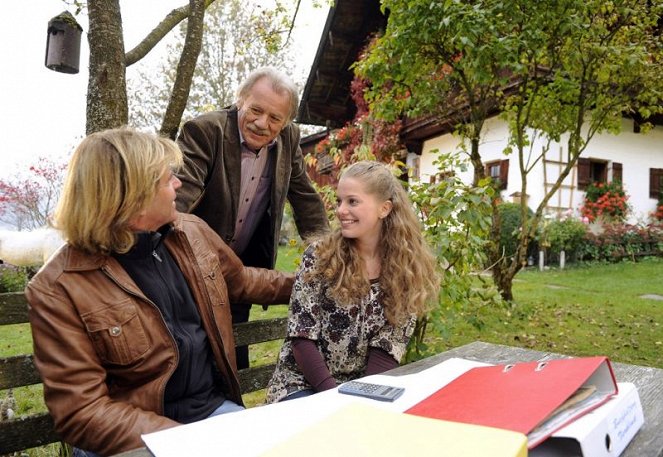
{"points": [[647, 443]]}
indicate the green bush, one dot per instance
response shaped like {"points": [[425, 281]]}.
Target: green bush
{"points": [[566, 235], [456, 219], [13, 279], [511, 221]]}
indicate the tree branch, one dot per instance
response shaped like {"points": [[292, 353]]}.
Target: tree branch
{"points": [[292, 23], [185, 68], [160, 31]]}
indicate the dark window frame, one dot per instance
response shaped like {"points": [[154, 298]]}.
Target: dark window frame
{"points": [[656, 183], [502, 174]]}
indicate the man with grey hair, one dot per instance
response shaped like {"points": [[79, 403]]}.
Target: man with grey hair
{"points": [[240, 165]]}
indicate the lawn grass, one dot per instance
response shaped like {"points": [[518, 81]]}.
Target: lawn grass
{"points": [[582, 310], [585, 309]]}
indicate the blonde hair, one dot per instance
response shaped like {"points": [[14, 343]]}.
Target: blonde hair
{"points": [[280, 83], [409, 280], [113, 175]]}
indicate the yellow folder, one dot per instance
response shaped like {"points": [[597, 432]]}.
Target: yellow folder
{"points": [[362, 430]]}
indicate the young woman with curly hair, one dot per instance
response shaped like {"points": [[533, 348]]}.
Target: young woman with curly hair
{"points": [[358, 290]]}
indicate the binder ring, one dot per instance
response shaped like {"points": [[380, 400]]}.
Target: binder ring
{"points": [[541, 366], [507, 367]]}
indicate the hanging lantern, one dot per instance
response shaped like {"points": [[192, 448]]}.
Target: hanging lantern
{"points": [[63, 43]]}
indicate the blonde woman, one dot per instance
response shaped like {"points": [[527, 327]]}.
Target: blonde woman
{"points": [[358, 290]]}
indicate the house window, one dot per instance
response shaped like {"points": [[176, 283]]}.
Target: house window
{"points": [[655, 183], [499, 172], [593, 171], [494, 170], [414, 163]]}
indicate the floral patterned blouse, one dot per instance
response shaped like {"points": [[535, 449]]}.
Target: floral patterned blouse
{"points": [[343, 334]]}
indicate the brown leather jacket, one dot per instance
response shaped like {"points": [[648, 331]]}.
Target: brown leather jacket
{"points": [[103, 349]]}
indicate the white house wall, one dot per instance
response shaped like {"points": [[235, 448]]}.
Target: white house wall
{"points": [[637, 152]]}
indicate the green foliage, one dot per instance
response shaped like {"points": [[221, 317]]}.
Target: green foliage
{"points": [[565, 235], [328, 195], [13, 279], [417, 64], [601, 241], [456, 220], [575, 61], [511, 222], [227, 56], [565, 69], [289, 256]]}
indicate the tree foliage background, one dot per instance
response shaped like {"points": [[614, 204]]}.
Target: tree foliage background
{"points": [[558, 71], [107, 98], [215, 44], [238, 37]]}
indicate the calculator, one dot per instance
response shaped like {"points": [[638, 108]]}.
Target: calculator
{"points": [[375, 391]]}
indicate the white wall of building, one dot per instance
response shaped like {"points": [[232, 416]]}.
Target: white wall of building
{"points": [[637, 152]]}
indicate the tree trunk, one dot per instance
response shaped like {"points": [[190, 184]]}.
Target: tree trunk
{"points": [[107, 88], [475, 158], [504, 283], [185, 69], [500, 265]]}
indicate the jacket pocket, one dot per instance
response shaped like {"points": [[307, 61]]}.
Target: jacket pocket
{"points": [[117, 333], [215, 283]]}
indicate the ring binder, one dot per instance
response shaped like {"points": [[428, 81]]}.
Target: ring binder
{"points": [[534, 398]]}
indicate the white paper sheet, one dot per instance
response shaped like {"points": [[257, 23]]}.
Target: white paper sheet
{"points": [[255, 430]]}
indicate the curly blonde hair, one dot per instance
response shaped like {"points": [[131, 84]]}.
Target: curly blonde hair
{"points": [[409, 279]]}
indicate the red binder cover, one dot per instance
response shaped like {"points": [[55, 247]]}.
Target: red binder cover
{"points": [[522, 396]]}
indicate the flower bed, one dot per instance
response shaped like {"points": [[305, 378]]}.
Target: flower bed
{"points": [[617, 241]]}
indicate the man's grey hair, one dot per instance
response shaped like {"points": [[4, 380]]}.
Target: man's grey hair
{"points": [[281, 83]]}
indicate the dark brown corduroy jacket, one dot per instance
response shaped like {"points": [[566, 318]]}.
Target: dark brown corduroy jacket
{"points": [[103, 349]]}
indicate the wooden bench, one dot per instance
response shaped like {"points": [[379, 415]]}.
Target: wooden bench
{"points": [[34, 430]]}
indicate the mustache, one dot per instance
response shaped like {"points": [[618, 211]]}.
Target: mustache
{"points": [[256, 130]]}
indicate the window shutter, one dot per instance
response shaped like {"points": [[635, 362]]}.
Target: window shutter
{"points": [[617, 172], [583, 173], [655, 178], [504, 173]]}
